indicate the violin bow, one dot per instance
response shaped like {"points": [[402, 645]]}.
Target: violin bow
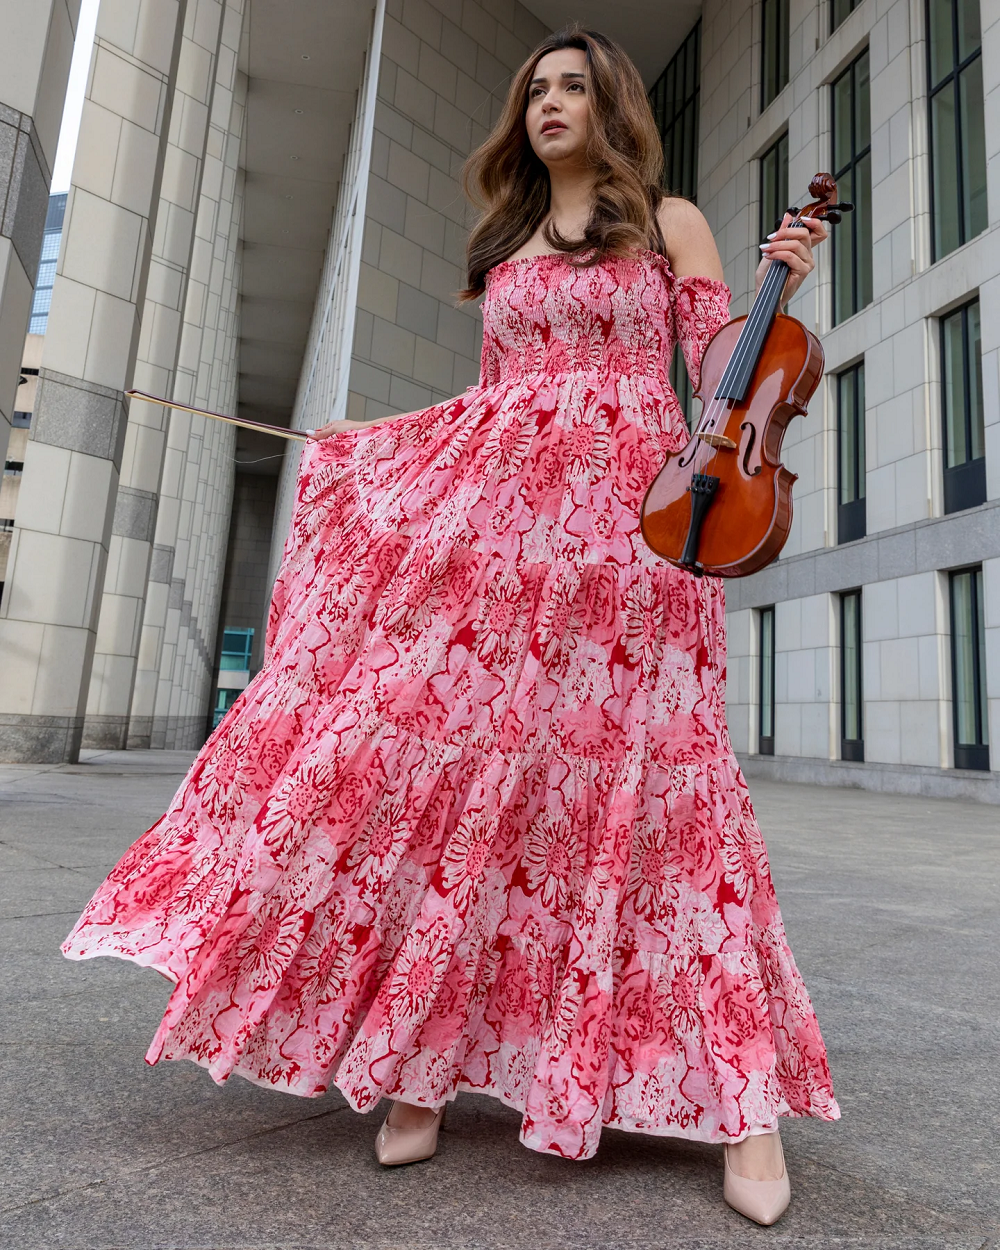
{"points": [[294, 436]]}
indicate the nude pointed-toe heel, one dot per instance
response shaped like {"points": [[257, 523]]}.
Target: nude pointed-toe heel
{"points": [[394, 1146], [761, 1201]]}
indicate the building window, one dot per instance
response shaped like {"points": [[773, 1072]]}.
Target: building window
{"points": [[773, 185], [773, 49], [962, 409], [674, 100], [958, 139], [234, 670], [681, 384], [852, 746], [765, 727], [839, 9], [851, 508], [852, 163], [968, 670], [46, 276]]}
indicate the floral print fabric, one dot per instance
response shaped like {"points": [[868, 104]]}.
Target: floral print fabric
{"points": [[477, 823]]}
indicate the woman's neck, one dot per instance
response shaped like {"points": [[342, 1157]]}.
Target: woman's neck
{"points": [[571, 191]]}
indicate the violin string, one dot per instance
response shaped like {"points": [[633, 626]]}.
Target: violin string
{"points": [[704, 451], [742, 351]]}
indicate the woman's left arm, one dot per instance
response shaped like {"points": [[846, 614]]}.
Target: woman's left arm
{"points": [[795, 248]]}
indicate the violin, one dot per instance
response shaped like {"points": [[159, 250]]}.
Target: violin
{"points": [[723, 505]]}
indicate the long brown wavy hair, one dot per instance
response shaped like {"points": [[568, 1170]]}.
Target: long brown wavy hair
{"points": [[510, 185]]}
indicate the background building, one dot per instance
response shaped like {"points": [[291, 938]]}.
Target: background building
{"points": [[266, 215]]}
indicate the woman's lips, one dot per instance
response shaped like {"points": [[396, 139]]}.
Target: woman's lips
{"points": [[549, 127]]}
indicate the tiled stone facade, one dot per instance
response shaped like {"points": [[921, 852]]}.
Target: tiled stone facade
{"points": [[901, 564]]}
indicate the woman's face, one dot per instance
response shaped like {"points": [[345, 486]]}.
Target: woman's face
{"points": [[558, 112]]}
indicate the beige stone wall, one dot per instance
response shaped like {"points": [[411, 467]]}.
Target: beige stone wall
{"points": [[444, 71]]}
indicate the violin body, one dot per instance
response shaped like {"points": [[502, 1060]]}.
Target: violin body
{"points": [[723, 505], [751, 513]]}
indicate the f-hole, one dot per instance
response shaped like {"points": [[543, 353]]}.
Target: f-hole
{"points": [[751, 440]]}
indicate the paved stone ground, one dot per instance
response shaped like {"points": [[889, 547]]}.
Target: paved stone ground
{"points": [[892, 908]]}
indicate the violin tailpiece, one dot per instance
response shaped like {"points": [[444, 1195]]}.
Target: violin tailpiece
{"points": [[703, 487]]}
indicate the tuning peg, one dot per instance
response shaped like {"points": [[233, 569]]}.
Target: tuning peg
{"points": [[844, 207], [833, 217], [794, 211]]}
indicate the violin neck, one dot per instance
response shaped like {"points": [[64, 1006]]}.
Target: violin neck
{"points": [[746, 353]]}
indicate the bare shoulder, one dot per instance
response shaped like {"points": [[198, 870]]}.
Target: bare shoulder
{"points": [[691, 247]]}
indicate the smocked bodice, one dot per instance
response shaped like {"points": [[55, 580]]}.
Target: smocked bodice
{"points": [[624, 315]]}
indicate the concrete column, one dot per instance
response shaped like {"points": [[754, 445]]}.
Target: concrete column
{"points": [[118, 634], [35, 54], [165, 587], [48, 622], [174, 626]]}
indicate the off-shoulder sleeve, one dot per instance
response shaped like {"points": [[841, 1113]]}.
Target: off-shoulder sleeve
{"points": [[701, 306]]}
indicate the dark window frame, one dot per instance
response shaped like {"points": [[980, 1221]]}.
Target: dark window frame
{"points": [[675, 99], [852, 514], [975, 756], [964, 482], [781, 26], [852, 748], [780, 201], [950, 80], [765, 680], [861, 267]]}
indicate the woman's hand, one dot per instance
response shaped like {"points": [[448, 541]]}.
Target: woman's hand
{"points": [[349, 427], [795, 248]]}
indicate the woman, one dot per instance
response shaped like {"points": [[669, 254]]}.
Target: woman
{"points": [[477, 823]]}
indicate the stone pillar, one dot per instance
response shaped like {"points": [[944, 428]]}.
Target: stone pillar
{"points": [[210, 309], [35, 54], [48, 621], [118, 634]]}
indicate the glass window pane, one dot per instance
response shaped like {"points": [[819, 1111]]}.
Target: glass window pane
{"points": [[984, 714], [862, 88], [842, 151], [970, 88], [956, 449], [939, 34], [847, 431], [767, 673], [840, 10], [769, 51], [782, 186], [851, 661], [974, 383], [862, 430], [945, 172], [862, 224], [969, 35], [964, 638], [843, 256], [783, 43]]}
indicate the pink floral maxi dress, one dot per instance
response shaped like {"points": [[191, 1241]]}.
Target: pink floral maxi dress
{"points": [[477, 823]]}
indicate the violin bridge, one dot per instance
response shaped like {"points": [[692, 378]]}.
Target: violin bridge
{"points": [[718, 440]]}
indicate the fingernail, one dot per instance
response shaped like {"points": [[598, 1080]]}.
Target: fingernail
{"points": [[311, 433], [765, 247], [771, 236]]}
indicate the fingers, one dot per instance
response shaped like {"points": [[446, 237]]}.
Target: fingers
{"points": [[325, 431]]}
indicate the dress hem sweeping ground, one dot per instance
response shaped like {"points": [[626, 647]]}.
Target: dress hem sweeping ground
{"points": [[477, 823]]}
